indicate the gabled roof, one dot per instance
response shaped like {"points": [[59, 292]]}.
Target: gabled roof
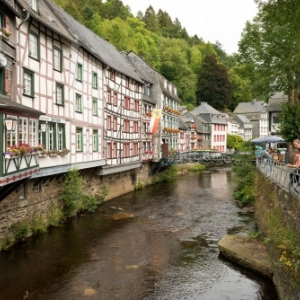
{"points": [[209, 114], [242, 119], [275, 102], [11, 5], [47, 17], [251, 107], [205, 108], [94, 44], [8, 106], [149, 73]]}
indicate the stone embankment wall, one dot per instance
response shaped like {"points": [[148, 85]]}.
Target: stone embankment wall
{"points": [[40, 193], [272, 198]]}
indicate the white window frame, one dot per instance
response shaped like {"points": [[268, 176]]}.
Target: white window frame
{"points": [[78, 103], [33, 45], [79, 139], [57, 59]]}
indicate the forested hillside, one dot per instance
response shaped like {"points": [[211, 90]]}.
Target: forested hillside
{"points": [[165, 45]]}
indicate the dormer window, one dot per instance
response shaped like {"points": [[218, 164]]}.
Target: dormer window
{"points": [[34, 5]]}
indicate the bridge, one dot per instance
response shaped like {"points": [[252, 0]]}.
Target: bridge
{"points": [[206, 156]]}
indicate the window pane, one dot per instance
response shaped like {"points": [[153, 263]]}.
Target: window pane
{"points": [[27, 84], [59, 94], [33, 46], [57, 59]]}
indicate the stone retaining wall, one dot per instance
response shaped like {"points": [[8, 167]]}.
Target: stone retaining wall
{"points": [[276, 197], [41, 192]]}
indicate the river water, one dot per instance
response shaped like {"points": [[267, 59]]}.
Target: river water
{"points": [[167, 251]]}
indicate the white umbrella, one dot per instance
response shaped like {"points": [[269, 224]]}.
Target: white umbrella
{"points": [[268, 139]]}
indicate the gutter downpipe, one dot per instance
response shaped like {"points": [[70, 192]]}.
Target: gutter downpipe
{"points": [[19, 54]]}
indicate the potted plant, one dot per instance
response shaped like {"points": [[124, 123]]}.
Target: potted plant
{"points": [[43, 153], [53, 152], [64, 152], [24, 149], [39, 148], [8, 153]]}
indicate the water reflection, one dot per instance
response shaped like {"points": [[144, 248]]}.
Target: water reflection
{"points": [[168, 251]]}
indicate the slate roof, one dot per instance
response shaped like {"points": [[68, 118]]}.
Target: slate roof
{"points": [[251, 107], [94, 44], [275, 101], [8, 106], [209, 114], [47, 17], [11, 5]]}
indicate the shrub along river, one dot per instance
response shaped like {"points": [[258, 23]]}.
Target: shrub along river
{"points": [[167, 250]]}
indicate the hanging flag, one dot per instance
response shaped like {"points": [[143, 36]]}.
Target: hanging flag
{"points": [[155, 120]]}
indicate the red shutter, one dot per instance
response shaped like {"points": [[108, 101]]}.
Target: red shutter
{"points": [[6, 81]]}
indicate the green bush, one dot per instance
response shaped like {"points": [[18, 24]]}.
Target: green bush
{"points": [[246, 176], [72, 193], [38, 225], [55, 215], [21, 230]]}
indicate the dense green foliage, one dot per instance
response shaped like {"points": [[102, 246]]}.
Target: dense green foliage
{"points": [[235, 142], [215, 88], [73, 197], [161, 42], [246, 175], [270, 46], [290, 120]]}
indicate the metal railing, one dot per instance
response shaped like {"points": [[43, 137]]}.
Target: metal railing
{"points": [[286, 178]]}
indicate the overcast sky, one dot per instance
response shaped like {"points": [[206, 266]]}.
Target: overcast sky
{"points": [[211, 20]]}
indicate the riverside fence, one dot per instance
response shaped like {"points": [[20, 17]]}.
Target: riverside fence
{"points": [[286, 178]]}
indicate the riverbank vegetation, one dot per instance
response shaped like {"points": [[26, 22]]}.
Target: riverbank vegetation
{"points": [[246, 176], [73, 201], [282, 240]]}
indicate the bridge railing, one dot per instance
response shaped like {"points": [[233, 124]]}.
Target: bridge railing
{"points": [[286, 178]]}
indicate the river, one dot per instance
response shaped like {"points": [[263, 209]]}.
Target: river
{"points": [[166, 251]]}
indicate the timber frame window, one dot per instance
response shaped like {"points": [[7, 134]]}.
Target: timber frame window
{"points": [[109, 150], [115, 150], [95, 106], [115, 123], [57, 59], [109, 96], [94, 80], [26, 132], [126, 147], [126, 102], [34, 46], [135, 148], [54, 137], [59, 94], [126, 126], [115, 100], [108, 125], [112, 75], [78, 103], [95, 140], [136, 105], [79, 72], [79, 139], [28, 83]]}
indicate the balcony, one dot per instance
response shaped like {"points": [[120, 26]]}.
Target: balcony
{"points": [[19, 167]]}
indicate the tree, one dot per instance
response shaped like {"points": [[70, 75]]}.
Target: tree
{"points": [[289, 118], [151, 20], [234, 142], [272, 44], [214, 85]]}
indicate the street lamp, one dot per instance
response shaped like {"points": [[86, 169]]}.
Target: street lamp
{"points": [[10, 124]]}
